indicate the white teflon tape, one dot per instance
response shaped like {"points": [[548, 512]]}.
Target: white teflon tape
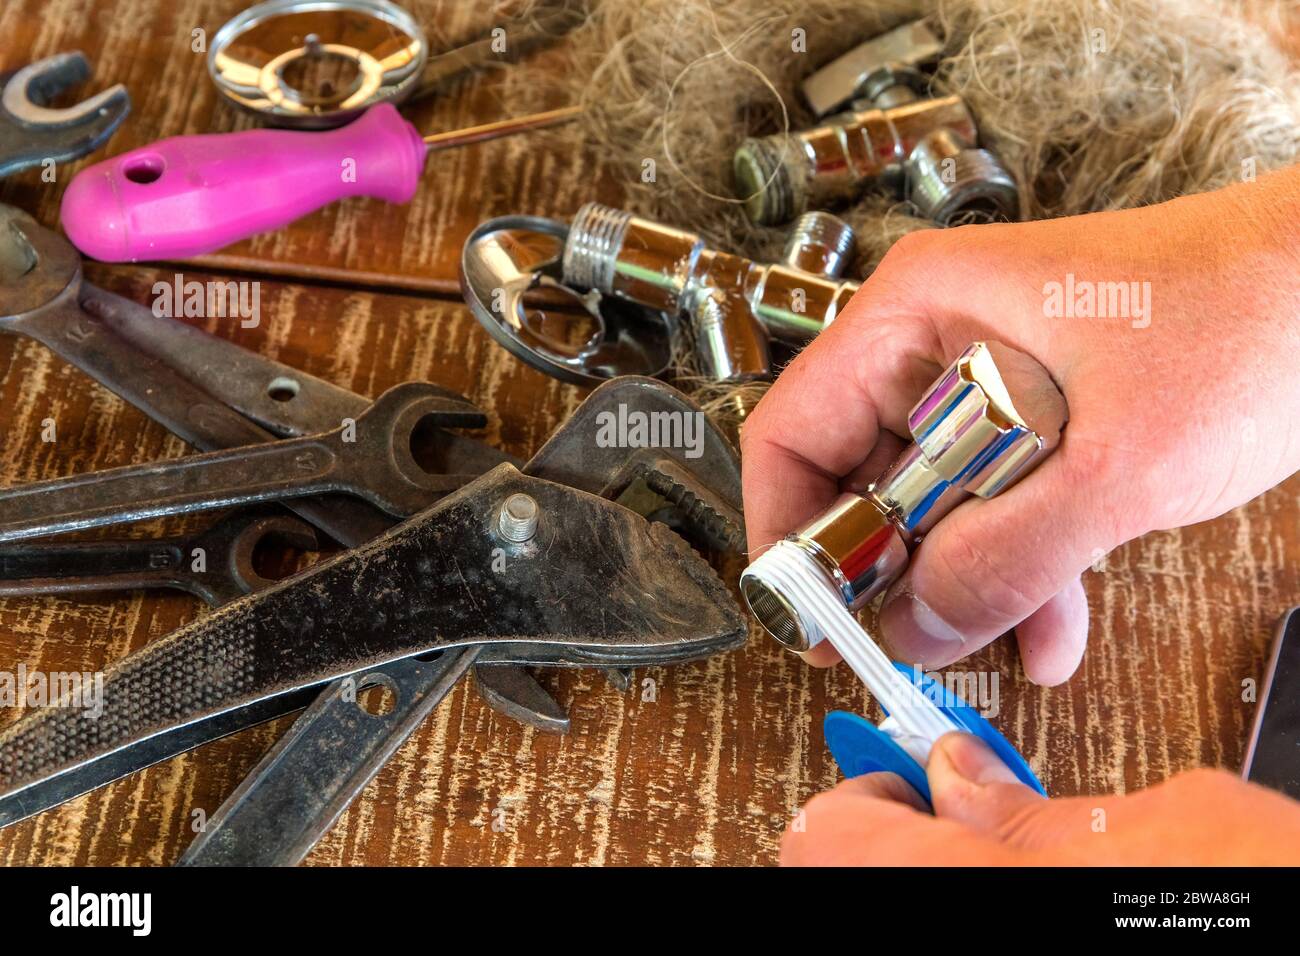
{"points": [[916, 723]]}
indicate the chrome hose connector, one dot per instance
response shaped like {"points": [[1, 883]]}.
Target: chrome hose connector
{"points": [[820, 244], [591, 251], [954, 184], [767, 175], [884, 124]]}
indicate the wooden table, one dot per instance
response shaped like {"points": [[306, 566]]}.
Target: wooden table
{"points": [[713, 767]]}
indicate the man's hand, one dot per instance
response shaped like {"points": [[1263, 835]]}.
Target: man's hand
{"points": [[1172, 331], [984, 816]]}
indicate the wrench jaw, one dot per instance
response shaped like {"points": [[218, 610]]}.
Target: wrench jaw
{"points": [[639, 429], [407, 414], [38, 269], [515, 693], [240, 548], [32, 132]]}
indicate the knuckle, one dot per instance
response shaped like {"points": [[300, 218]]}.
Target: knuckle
{"points": [[753, 432], [911, 246], [989, 591], [1116, 492]]}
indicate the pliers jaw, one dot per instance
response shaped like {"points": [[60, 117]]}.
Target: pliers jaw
{"points": [[32, 132]]}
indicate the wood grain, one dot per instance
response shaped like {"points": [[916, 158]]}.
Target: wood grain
{"points": [[710, 767]]}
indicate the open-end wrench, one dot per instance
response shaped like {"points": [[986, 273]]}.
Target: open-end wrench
{"points": [[172, 372], [370, 458], [201, 388], [32, 133], [215, 565]]}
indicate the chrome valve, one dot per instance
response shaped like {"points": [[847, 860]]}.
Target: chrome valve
{"points": [[896, 135], [734, 305], [986, 422]]}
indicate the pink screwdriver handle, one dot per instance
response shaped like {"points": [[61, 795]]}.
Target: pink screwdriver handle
{"points": [[189, 195]]}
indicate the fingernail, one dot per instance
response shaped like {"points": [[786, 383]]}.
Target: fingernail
{"points": [[916, 633], [973, 761]]}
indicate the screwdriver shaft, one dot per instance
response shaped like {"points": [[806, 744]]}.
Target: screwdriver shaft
{"points": [[506, 127]]}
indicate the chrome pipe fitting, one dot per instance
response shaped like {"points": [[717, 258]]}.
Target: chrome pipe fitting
{"points": [[734, 305], [897, 136], [819, 244], [992, 416]]}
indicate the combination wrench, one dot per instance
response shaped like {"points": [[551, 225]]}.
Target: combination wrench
{"points": [[215, 565], [370, 458]]}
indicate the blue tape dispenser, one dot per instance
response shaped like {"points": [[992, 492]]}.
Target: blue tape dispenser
{"points": [[861, 747], [988, 420]]}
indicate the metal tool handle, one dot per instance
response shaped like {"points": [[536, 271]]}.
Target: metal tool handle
{"points": [[110, 345], [93, 566], [215, 565], [148, 383], [270, 472], [429, 585], [190, 195], [170, 370], [370, 458], [301, 786], [279, 397]]}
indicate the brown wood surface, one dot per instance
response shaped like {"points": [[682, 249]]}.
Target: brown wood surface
{"points": [[711, 770]]}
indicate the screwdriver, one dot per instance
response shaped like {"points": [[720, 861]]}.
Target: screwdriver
{"points": [[189, 195]]}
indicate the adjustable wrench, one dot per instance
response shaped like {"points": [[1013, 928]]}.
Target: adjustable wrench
{"points": [[31, 132]]}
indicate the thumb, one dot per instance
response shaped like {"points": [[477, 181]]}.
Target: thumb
{"points": [[991, 564], [970, 784]]}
